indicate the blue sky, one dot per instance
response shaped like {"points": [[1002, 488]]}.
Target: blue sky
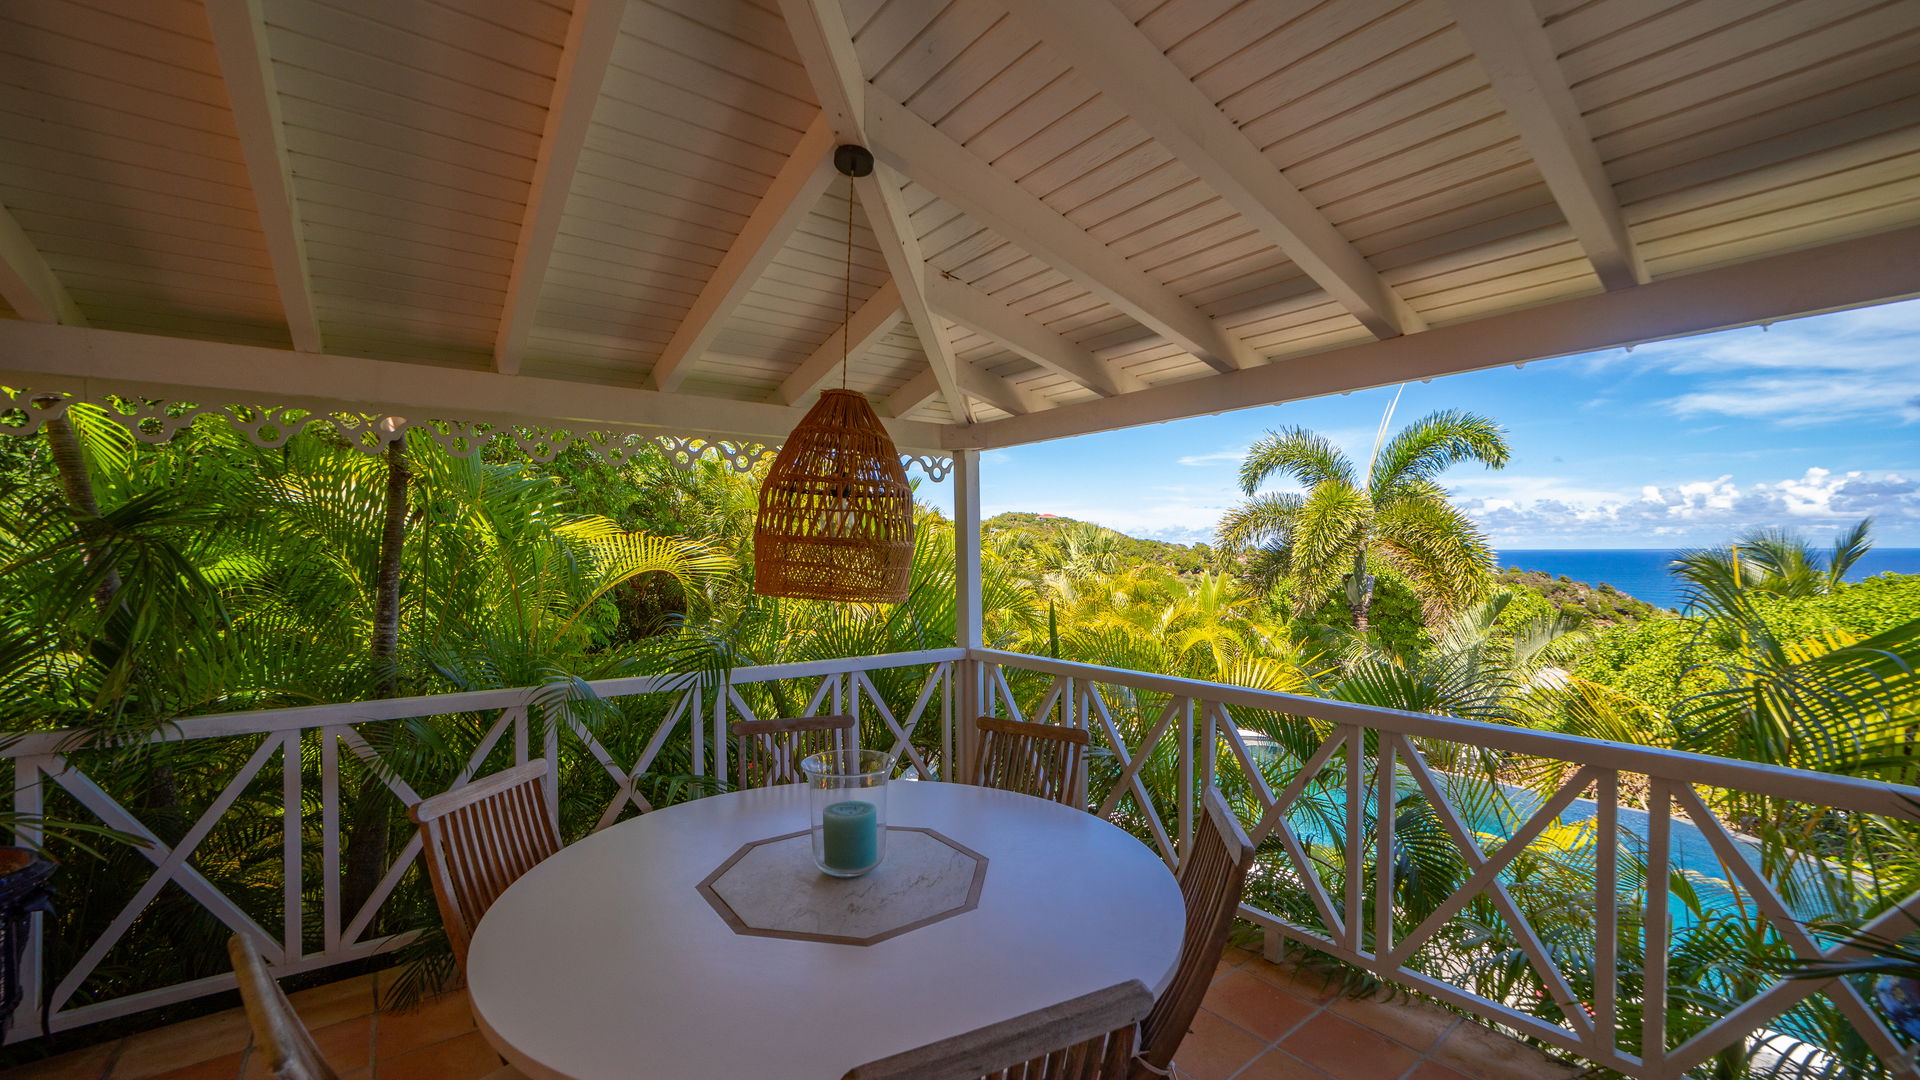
{"points": [[1811, 423]]}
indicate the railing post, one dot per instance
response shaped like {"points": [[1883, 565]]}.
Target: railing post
{"points": [[29, 802], [969, 626]]}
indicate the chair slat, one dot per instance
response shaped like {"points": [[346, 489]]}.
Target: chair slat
{"points": [[1042, 760], [1091, 1037], [480, 839], [776, 747]]}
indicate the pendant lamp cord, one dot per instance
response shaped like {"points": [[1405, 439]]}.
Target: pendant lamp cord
{"points": [[846, 291]]}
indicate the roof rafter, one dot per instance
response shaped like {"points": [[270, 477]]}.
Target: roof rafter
{"points": [[240, 40], [1105, 46], [994, 200], [1848, 273], [591, 33], [27, 282], [975, 310], [789, 199], [912, 394], [1514, 50], [865, 327], [825, 43], [998, 392]]}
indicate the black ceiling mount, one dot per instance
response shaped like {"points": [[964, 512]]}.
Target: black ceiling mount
{"points": [[853, 160]]}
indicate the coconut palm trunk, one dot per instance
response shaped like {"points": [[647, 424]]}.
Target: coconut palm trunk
{"points": [[1360, 601], [70, 461], [369, 838]]}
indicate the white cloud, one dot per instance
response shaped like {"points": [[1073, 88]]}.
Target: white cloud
{"points": [[1701, 511], [1218, 457], [1850, 365]]}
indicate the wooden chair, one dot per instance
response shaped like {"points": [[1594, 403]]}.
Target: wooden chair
{"points": [[771, 750], [1211, 878], [480, 839], [1089, 1038], [1047, 761], [281, 1042]]}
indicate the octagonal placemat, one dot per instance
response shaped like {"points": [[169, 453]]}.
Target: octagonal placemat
{"points": [[771, 888]]}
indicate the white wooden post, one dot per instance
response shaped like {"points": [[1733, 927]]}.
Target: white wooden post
{"points": [[29, 801], [968, 625]]}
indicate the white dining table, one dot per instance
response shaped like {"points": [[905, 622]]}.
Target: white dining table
{"points": [[607, 960]]}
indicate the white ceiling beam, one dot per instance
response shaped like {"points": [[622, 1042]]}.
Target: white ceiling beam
{"points": [[789, 199], [994, 200], [969, 307], [912, 394], [1514, 49], [27, 282], [591, 33], [240, 40], [1105, 47], [825, 43], [90, 362], [999, 392], [864, 329], [1847, 274]]}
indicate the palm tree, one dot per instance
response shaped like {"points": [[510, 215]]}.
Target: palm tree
{"points": [[1778, 561], [1393, 512]]}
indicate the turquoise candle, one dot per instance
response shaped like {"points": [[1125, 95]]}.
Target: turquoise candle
{"points": [[851, 834]]}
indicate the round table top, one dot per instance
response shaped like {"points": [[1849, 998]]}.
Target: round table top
{"points": [[607, 961]]}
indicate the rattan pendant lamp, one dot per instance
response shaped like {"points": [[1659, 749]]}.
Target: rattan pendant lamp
{"points": [[836, 514]]}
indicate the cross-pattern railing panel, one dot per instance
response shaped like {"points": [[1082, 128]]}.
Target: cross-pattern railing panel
{"points": [[610, 748], [1548, 924]]}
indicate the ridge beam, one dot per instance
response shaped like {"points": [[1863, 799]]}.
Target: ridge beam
{"points": [[954, 173], [584, 59], [240, 40], [795, 191], [27, 282], [1513, 48], [875, 318], [1105, 46], [969, 307]]}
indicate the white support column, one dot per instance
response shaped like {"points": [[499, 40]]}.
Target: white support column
{"points": [[967, 608]]}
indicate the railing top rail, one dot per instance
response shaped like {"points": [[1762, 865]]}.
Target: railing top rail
{"points": [[1803, 785], [267, 721]]}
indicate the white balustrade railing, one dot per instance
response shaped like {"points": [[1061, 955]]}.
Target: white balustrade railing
{"points": [[1311, 806]]}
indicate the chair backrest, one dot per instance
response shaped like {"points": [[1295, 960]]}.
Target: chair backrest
{"points": [[1089, 1038], [771, 750], [1211, 878], [1043, 760], [280, 1041], [480, 838]]}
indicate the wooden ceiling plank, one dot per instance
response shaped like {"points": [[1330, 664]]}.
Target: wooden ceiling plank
{"points": [[92, 361], [864, 329], [591, 33], [240, 40], [969, 307], [825, 44], [905, 141], [28, 283], [998, 392], [1850, 273], [1105, 46], [789, 199], [1514, 49]]}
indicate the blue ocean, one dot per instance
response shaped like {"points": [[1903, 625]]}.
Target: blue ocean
{"points": [[1642, 572]]}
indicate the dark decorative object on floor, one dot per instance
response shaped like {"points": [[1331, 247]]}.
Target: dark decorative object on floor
{"points": [[26, 886]]}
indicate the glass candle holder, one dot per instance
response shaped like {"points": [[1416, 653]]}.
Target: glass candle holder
{"points": [[848, 809]]}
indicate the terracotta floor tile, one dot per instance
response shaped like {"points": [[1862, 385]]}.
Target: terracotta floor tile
{"points": [[190, 1042], [465, 1058], [1485, 1054], [438, 1020], [1433, 1070], [1313, 985], [321, 1006], [1347, 1050], [1213, 1048], [1279, 1065], [224, 1067], [1398, 1017], [1231, 957], [1257, 1005], [89, 1063]]}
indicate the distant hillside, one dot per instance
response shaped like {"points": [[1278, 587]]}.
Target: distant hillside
{"points": [[1603, 605], [1181, 558]]}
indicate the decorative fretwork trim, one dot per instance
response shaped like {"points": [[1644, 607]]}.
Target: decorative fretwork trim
{"points": [[156, 421]]}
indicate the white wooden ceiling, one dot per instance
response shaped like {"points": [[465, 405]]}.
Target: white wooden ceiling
{"points": [[1079, 200]]}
